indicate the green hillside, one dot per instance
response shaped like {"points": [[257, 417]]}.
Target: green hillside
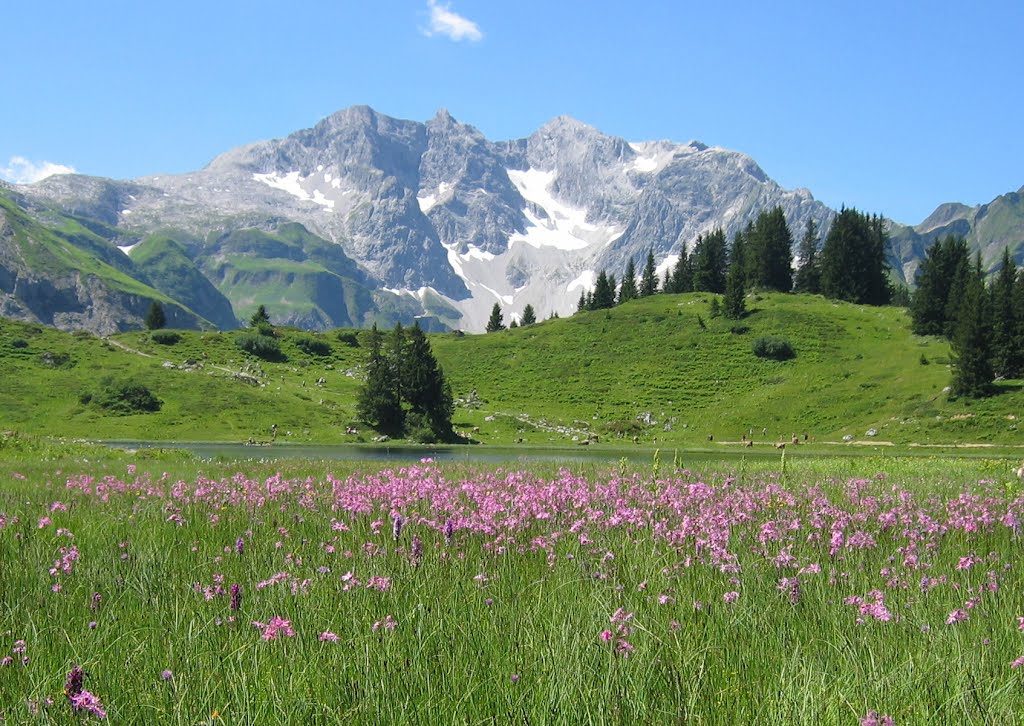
{"points": [[660, 369]]}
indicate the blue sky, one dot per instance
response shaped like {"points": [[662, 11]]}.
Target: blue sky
{"points": [[892, 107]]}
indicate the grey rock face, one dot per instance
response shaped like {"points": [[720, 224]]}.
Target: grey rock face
{"points": [[438, 206]]}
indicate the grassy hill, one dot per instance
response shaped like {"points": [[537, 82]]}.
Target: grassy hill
{"points": [[660, 369]]}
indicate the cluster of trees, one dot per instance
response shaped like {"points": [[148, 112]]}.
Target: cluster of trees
{"points": [[497, 320], [406, 392], [850, 265], [984, 324]]}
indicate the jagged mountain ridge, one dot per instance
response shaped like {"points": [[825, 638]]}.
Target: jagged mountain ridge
{"points": [[988, 228], [437, 214]]}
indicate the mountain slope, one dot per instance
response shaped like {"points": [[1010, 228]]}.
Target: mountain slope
{"points": [[988, 228], [436, 211], [45, 278]]}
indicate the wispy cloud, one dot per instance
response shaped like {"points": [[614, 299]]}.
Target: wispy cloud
{"points": [[23, 171], [444, 21]]}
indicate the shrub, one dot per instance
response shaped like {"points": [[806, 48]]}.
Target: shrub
{"points": [[739, 329], [313, 346], [164, 337], [122, 398], [348, 338], [56, 360], [19, 343], [261, 346], [774, 348]]}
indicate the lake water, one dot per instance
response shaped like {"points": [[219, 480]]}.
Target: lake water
{"points": [[384, 453]]}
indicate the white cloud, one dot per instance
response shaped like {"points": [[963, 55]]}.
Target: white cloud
{"points": [[443, 21], [20, 170]]}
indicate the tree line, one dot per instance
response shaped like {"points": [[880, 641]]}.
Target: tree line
{"points": [[848, 265], [984, 323]]}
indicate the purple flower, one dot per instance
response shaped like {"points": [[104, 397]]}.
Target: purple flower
{"points": [[85, 701], [328, 636], [74, 682], [731, 597], [239, 546], [236, 596], [166, 675]]}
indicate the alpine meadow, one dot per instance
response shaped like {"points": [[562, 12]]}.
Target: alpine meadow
{"points": [[317, 416]]}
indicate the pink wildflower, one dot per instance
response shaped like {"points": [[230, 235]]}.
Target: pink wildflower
{"points": [[731, 597], [274, 627], [957, 616], [1018, 663], [388, 623], [383, 584], [328, 636]]}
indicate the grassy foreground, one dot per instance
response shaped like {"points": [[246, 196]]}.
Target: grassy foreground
{"points": [[467, 595]]}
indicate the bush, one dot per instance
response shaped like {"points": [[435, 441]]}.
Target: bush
{"points": [[122, 398], [739, 329], [50, 359], [313, 346], [774, 348], [19, 343], [164, 337], [261, 346], [349, 339]]}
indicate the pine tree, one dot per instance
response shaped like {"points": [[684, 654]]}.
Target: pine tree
{"points": [[260, 317], [972, 362], [628, 290], [709, 262], [529, 316], [379, 404], [155, 318], [497, 321], [853, 266], [649, 281], [944, 266], [769, 262], [604, 292], [513, 325], [682, 273], [734, 305], [808, 274], [582, 304], [424, 388], [1006, 355]]}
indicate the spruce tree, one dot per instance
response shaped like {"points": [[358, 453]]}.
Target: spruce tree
{"points": [[155, 318], [734, 305], [808, 274], [853, 266], [1006, 355], [424, 388], [582, 304], [379, 404], [709, 262], [769, 262], [649, 281], [943, 261], [682, 273], [604, 292], [529, 316], [260, 318], [972, 362], [497, 321], [628, 290]]}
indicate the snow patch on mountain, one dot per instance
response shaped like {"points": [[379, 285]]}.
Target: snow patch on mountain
{"points": [[562, 226], [429, 201], [585, 281], [292, 183]]}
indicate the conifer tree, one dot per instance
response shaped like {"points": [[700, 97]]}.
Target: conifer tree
{"points": [[529, 316], [513, 325], [260, 317], [628, 290], [853, 265], [424, 387], [582, 304], [1006, 354], [709, 262], [379, 404], [734, 304], [604, 292], [155, 318], [769, 258], [682, 273], [972, 362], [649, 281], [808, 274], [497, 321]]}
